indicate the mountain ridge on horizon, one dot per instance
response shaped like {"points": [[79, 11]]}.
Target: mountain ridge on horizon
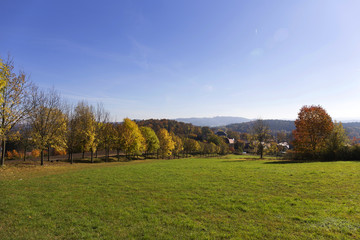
{"points": [[213, 121], [219, 121]]}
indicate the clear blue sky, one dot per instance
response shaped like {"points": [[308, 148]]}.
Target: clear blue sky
{"points": [[168, 59]]}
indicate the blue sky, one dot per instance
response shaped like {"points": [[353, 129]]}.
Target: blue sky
{"points": [[168, 59]]}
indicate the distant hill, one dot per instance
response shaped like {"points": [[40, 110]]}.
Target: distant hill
{"points": [[213, 121], [352, 128], [274, 125]]}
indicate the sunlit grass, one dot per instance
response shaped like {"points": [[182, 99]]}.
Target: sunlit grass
{"points": [[209, 198]]}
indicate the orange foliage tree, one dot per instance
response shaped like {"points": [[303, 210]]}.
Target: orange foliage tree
{"points": [[313, 127]]}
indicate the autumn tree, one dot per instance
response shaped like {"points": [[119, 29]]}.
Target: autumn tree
{"points": [[152, 143], [14, 105], [260, 134], [85, 128], [107, 137], [191, 146], [167, 144], [4, 72], [132, 141], [118, 139], [47, 121], [313, 127], [101, 116], [179, 145]]}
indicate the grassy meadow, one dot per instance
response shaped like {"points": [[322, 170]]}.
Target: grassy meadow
{"points": [[228, 197]]}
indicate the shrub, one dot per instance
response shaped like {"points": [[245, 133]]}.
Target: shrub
{"points": [[9, 155], [12, 154], [35, 153], [15, 154], [60, 152]]}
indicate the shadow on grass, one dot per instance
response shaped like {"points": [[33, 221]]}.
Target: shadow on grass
{"points": [[252, 159], [306, 161], [287, 161]]}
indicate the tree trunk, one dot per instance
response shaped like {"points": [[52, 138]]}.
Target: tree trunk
{"points": [[92, 153], [24, 154], [3, 153], [48, 153], [42, 157], [118, 154], [71, 156], [96, 153], [83, 154]]}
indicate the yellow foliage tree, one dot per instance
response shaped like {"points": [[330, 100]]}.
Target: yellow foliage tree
{"points": [[85, 130], [167, 145], [14, 90], [132, 141], [4, 72], [179, 145]]}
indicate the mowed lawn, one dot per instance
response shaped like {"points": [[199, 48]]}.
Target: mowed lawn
{"points": [[196, 198]]}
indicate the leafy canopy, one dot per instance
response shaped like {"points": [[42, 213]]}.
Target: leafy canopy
{"points": [[313, 126]]}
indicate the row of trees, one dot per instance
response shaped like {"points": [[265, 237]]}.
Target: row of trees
{"points": [[34, 118]]}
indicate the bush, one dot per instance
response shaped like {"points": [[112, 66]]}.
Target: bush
{"points": [[35, 153], [343, 153], [9, 155], [60, 152], [12, 154]]}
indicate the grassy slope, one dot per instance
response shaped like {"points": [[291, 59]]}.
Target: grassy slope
{"points": [[186, 199]]}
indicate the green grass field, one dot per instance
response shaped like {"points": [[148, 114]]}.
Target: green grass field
{"points": [[214, 198]]}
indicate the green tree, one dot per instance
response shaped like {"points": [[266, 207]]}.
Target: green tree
{"points": [[206, 133], [167, 144], [337, 140], [213, 148], [151, 140]]}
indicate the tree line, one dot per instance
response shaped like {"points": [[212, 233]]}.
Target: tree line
{"points": [[32, 118]]}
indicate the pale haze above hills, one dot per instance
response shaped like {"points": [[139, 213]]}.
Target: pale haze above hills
{"points": [[213, 121]]}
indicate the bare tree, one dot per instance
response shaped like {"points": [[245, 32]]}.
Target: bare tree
{"points": [[260, 134], [47, 120], [70, 138]]}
